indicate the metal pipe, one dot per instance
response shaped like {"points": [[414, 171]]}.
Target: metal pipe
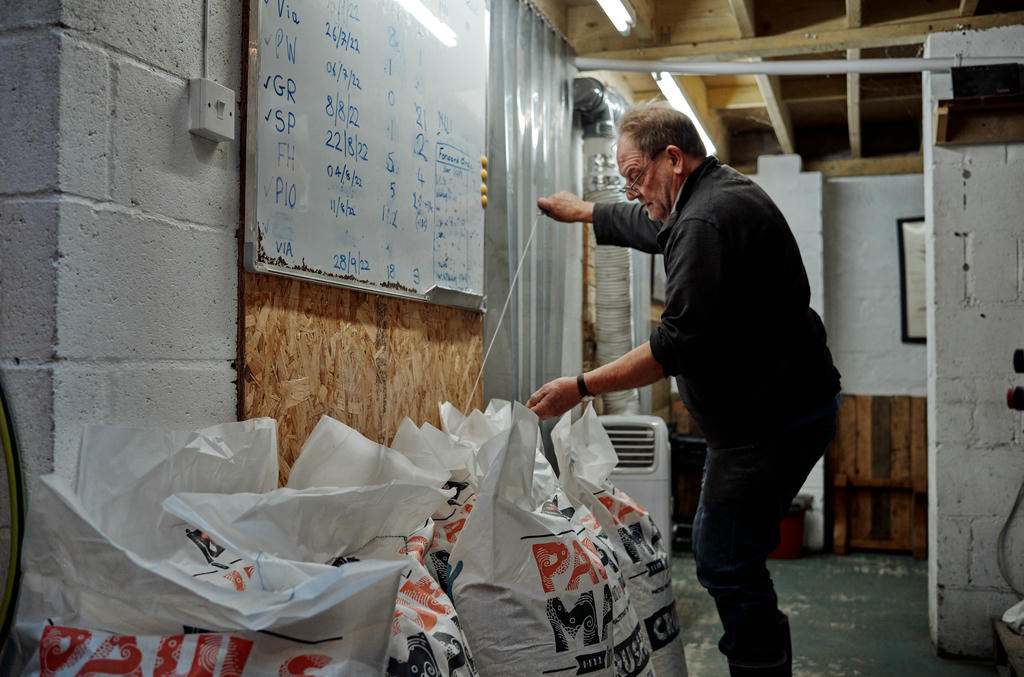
{"points": [[812, 67]]}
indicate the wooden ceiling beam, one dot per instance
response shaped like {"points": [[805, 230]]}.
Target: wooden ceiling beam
{"points": [[556, 12], [802, 42], [644, 10], [853, 13], [735, 98], [771, 91], [968, 7], [871, 166], [853, 106], [743, 10]]}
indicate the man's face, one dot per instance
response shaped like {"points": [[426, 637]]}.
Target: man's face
{"points": [[655, 184]]}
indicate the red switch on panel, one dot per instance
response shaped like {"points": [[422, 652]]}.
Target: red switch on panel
{"points": [[1015, 398]]}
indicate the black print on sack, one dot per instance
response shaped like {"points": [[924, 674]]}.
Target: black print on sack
{"points": [[210, 550], [582, 620], [631, 655], [633, 540], [421, 661], [338, 561], [439, 560], [454, 652], [662, 626]]}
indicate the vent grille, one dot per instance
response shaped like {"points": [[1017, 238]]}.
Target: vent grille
{"points": [[633, 444]]}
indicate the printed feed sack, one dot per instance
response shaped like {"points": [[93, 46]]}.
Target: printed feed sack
{"points": [[528, 582], [458, 458], [426, 638], [586, 459], [102, 593], [425, 635]]}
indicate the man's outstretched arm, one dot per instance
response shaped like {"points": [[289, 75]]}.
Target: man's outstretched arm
{"points": [[634, 369]]}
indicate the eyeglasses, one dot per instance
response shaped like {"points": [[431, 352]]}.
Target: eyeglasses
{"points": [[630, 190]]}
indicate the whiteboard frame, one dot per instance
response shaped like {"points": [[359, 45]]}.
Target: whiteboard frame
{"points": [[436, 294]]}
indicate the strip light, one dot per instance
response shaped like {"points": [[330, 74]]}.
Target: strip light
{"points": [[670, 88], [441, 30], [618, 14]]}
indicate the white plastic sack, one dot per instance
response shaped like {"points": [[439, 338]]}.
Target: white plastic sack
{"points": [[527, 581], [107, 560], [459, 459], [586, 458], [383, 523], [336, 455]]}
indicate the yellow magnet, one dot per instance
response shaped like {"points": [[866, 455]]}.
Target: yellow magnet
{"points": [[483, 174], [483, 161], [483, 200], [483, 189]]}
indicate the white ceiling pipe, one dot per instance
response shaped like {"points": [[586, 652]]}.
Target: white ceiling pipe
{"points": [[804, 67]]}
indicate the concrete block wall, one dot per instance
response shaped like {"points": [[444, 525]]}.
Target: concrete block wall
{"points": [[862, 291], [798, 195], [119, 270], [975, 261]]}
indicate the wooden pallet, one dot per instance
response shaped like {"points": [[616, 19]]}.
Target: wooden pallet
{"points": [[1007, 650], [879, 475]]}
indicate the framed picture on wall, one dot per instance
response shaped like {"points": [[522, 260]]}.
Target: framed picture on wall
{"points": [[910, 232]]}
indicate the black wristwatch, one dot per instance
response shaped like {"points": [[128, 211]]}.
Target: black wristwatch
{"points": [[585, 395]]}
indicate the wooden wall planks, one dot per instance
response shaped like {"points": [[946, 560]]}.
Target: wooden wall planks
{"points": [[878, 466], [367, 360]]}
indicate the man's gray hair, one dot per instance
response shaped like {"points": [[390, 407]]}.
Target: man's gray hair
{"points": [[655, 124]]}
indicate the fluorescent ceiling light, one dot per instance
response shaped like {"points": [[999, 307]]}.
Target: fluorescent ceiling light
{"points": [[441, 30], [668, 86], [618, 13]]}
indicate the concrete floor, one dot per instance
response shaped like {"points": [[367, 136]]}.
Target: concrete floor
{"points": [[861, 614]]}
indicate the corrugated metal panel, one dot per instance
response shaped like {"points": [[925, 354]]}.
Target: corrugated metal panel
{"points": [[530, 137]]}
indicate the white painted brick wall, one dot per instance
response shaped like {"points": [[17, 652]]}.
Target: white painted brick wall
{"points": [[975, 321], [862, 300], [119, 270]]}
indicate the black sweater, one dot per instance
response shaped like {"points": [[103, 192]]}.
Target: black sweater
{"points": [[749, 354]]}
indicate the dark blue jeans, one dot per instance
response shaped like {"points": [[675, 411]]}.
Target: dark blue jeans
{"points": [[745, 493]]}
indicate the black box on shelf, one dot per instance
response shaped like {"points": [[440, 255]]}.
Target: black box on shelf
{"points": [[999, 79]]}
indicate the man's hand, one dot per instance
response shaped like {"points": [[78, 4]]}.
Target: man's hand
{"points": [[554, 398], [564, 206]]}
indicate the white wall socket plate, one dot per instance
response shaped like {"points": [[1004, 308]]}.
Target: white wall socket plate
{"points": [[212, 110]]}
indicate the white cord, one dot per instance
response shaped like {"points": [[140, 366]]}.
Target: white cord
{"points": [[511, 288]]}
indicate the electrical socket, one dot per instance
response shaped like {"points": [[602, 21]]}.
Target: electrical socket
{"points": [[212, 110]]}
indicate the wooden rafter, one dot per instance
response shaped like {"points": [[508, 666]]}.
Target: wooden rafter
{"points": [[853, 13], [801, 42], [853, 106], [555, 12], [853, 20], [771, 90], [735, 98], [968, 7], [644, 10], [743, 10]]}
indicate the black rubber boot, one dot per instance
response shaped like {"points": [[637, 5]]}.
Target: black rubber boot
{"points": [[783, 667]]}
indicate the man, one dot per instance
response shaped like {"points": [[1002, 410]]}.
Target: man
{"points": [[748, 352]]}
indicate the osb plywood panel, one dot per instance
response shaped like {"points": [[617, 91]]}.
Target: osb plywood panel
{"points": [[365, 359]]}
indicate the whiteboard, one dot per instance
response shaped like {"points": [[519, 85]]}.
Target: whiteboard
{"points": [[365, 145]]}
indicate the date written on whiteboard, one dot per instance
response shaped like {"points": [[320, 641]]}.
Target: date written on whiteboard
{"points": [[342, 111], [342, 74], [342, 39], [350, 263], [345, 177], [347, 144]]}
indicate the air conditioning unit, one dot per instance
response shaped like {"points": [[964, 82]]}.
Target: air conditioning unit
{"points": [[644, 470]]}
